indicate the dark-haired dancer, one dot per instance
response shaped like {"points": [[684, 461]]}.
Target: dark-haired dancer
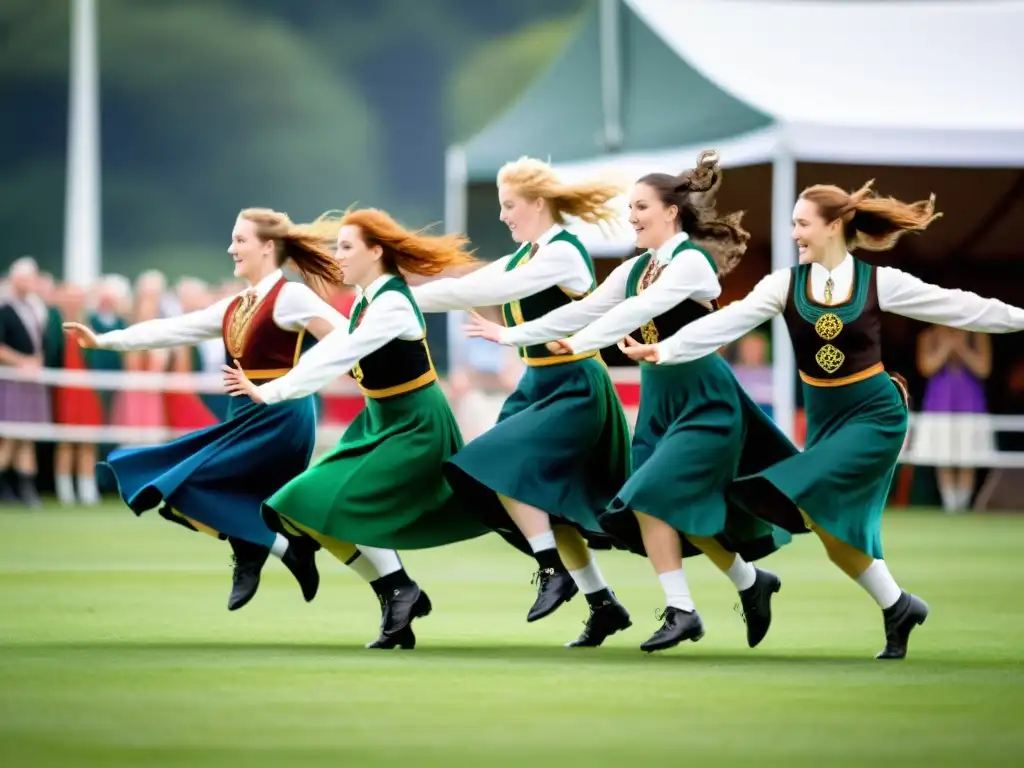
{"points": [[696, 426], [214, 480], [856, 413]]}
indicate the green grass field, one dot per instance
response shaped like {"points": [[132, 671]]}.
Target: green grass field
{"points": [[117, 650]]}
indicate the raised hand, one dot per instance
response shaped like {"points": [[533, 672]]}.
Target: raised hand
{"points": [[480, 327], [83, 334]]}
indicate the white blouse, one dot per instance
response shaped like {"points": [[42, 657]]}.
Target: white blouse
{"points": [[296, 306], [607, 315], [389, 316], [898, 292], [554, 264]]}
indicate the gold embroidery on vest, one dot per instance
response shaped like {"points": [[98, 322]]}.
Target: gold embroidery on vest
{"points": [[239, 325], [515, 306], [830, 359], [649, 331], [829, 326]]}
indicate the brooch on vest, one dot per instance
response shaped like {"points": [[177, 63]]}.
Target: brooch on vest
{"points": [[828, 327], [649, 331]]}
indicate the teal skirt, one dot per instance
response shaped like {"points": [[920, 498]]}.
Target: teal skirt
{"points": [[382, 485], [695, 428], [561, 444], [841, 480]]}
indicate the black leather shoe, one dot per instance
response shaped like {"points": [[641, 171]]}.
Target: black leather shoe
{"points": [[605, 620], [900, 619], [679, 625], [247, 560], [756, 602], [401, 606], [300, 559], [404, 638], [554, 588]]}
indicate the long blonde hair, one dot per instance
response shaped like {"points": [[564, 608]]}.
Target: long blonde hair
{"points": [[587, 200]]}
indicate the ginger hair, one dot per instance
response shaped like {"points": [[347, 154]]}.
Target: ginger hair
{"points": [[406, 251], [587, 200], [299, 244], [694, 193], [870, 222]]}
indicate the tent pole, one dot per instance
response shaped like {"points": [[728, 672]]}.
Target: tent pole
{"points": [[82, 219], [611, 73], [456, 214], [783, 252]]}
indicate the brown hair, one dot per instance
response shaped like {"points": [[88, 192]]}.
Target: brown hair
{"points": [[870, 222], [405, 251], [303, 246], [587, 200], [693, 192]]}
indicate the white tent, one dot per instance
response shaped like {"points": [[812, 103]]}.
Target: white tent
{"points": [[901, 83]]}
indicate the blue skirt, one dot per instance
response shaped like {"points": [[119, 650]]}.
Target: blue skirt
{"points": [[220, 476]]}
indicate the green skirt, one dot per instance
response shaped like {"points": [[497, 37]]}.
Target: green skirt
{"points": [[841, 480], [382, 486], [561, 444], [695, 428]]}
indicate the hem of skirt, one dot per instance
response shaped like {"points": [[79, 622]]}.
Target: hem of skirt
{"points": [[773, 504]]}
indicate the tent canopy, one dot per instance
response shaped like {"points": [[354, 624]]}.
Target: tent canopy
{"points": [[914, 83]]}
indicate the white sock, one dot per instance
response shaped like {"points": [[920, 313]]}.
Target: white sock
{"points": [[87, 490], [384, 561], [949, 496], [65, 489], [542, 541], [280, 545], [964, 500], [589, 578], [742, 574], [363, 567], [880, 584], [677, 591]]}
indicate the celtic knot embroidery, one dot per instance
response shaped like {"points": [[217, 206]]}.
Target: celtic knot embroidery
{"points": [[828, 326], [830, 359], [240, 318]]}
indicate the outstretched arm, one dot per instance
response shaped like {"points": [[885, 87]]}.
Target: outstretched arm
{"points": [[904, 294], [188, 329], [688, 274], [559, 323], [389, 316], [554, 264], [705, 336], [298, 307]]}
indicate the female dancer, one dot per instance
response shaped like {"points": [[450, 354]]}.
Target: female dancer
{"points": [[696, 425], [560, 447], [381, 485], [832, 303], [216, 479]]}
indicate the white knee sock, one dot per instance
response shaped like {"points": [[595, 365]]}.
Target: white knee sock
{"points": [[879, 583], [950, 497], [542, 541], [88, 493], [589, 578], [742, 574], [65, 489], [384, 561], [677, 591], [280, 545], [362, 566]]}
